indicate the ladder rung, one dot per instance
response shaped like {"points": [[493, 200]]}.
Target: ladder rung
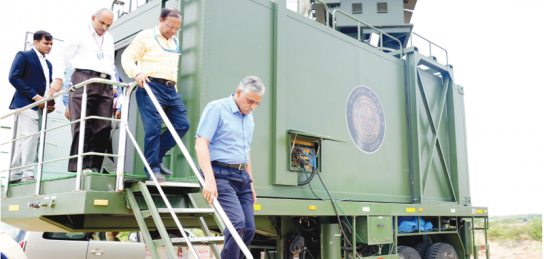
{"points": [[198, 212], [198, 240], [174, 184]]}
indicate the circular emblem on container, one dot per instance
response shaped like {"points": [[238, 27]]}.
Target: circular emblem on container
{"points": [[366, 119]]}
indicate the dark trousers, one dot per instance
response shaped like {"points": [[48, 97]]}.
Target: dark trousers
{"points": [[157, 144], [236, 198], [97, 132]]}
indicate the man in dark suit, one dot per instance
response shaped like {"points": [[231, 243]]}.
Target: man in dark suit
{"points": [[30, 74]]}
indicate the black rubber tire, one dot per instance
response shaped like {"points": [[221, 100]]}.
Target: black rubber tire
{"points": [[406, 252], [441, 251], [422, 247]]}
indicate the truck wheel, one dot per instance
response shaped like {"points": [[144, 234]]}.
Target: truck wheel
{"points": [[422, 247], [406, 252], [441, 251]]}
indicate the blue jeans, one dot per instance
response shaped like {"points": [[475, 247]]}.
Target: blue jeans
{"points": [[236, 198], [157, 144]]}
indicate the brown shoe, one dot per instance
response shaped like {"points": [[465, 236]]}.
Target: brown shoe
{"points": [[28, 179]]}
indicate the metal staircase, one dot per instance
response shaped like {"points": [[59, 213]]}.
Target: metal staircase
{"points": [[186, 188]]}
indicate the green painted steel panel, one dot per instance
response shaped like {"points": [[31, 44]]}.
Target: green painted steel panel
{"points": [[330, 241], [466, 237], [308, 74], [375, 229], [307, 90], [314, 135]]}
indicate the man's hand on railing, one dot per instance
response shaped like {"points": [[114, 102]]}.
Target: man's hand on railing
{"points": [[210, 190], [67, 114], [140, 79], [55, 87], [37, 99], [117, 115]]}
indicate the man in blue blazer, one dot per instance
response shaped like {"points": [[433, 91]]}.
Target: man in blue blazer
{"points": [[30, 74]]}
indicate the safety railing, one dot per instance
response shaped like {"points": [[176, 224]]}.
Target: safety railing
{"points": [[215, 205], [359, 22], [430, 46], [124, 132], [121, 5], [327, 12], [82, 120]]}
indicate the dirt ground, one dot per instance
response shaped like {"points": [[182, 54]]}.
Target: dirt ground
{"points": [[524, 249]]}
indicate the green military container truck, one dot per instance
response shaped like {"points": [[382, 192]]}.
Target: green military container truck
{"points": [[359, 147]]}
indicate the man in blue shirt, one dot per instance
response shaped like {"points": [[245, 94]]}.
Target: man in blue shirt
{"points": [[223, 141]]}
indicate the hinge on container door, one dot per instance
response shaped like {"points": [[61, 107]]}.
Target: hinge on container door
{"points": [[461, 90], [467, 200]]}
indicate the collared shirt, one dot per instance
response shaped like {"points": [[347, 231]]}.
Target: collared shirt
{"points": [[45, 69], [82, 52], [228, 130], [152, 59]]}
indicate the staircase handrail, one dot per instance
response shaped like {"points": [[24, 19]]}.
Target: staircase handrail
{"points": [[215, 205], [44, 130]]}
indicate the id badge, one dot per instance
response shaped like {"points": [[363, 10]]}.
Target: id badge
{"points": [[100, 55]]}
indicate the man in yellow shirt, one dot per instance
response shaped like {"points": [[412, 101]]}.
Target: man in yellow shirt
{"points": [[157, 51]]}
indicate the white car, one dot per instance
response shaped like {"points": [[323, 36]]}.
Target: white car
{"points": [[9, 236], [81, 245], [76, 245]]}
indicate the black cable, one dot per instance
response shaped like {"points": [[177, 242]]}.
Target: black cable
{"points": [[309, 178], [359, 248], [308, 229], [303, 163], [309, 253], [314, 193], [335, 210]]}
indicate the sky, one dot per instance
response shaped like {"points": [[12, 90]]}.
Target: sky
{"points": [[489, 45]]}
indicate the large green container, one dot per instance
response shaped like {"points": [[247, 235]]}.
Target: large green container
{"points": [[310, 70]]}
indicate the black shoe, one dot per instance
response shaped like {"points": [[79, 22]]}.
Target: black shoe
{"points": [[165, 170], [15, 181]]}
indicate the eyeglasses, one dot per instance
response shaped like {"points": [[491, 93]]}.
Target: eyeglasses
{"points": [[103, 23], [172, 27], [251, 102]]}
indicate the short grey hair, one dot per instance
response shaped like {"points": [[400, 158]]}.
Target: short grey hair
{"points": [[99, 11], [253, 84]]}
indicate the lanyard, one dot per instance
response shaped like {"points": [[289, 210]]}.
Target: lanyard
{"points": [[167, 50], [90, 28]]}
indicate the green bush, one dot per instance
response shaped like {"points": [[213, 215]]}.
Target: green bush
{"points": [[516, 229], [535, 229]]}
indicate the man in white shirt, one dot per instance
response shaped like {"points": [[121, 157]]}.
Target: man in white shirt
{"points": [[30, 74], [91, 53]]}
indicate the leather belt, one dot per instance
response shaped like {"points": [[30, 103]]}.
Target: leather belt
{"points": [[163, 81], [233, 166], [94, 73]]}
